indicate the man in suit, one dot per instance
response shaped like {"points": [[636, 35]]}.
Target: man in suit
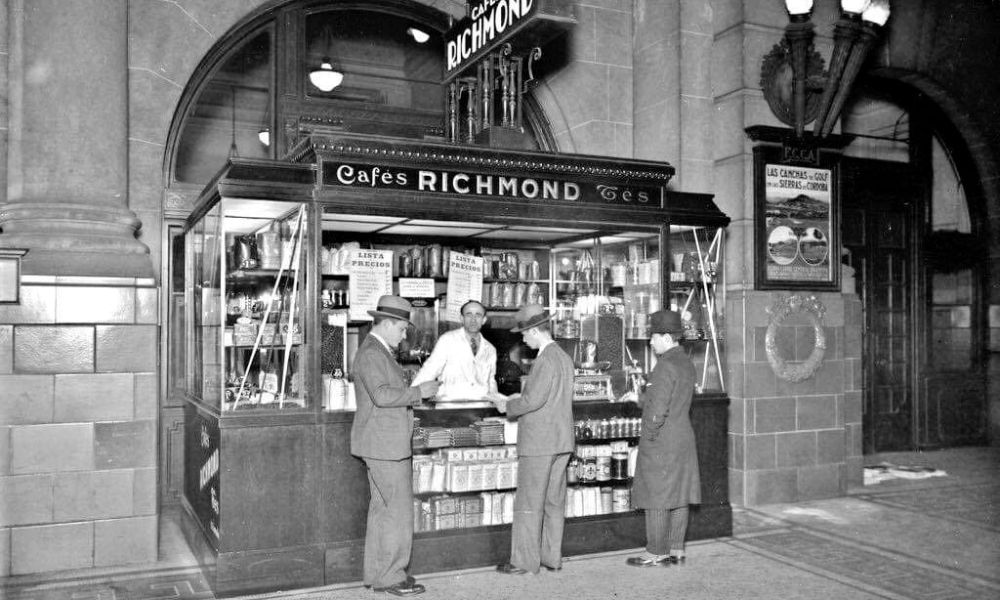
{"points": [[544, 412], [381, 436]]}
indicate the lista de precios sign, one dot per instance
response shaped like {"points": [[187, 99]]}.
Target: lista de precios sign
{"points": [[494, 22]]}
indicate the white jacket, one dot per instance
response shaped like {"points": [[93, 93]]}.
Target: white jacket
{"points": [[462, 376]]}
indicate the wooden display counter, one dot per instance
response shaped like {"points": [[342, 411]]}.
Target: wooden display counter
{"points": [[294, 501]]}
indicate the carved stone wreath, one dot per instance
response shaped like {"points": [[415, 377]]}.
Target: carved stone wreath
{"points": [[813, 310]]}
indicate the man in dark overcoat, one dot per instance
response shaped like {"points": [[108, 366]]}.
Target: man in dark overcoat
{"points": [[544, 412], [381, 435], [666, 476]]}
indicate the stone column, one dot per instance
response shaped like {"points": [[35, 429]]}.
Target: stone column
{"points": [[67, 164]]}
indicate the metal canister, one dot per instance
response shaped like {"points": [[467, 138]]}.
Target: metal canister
{"points": [[432, 256], [603, 468], [534, 294], [621, 499], [507, 292], [419, 264], [589, 469], [405, 265], [571, 470], [619, 465], [496, 294], [520, 294], [607, 500]]}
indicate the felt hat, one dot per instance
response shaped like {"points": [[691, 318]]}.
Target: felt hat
{"points": [[528, 316], [665, 321], [393, 307]]}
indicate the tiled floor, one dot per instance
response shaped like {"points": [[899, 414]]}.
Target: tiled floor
{"points": [[927, 539]]}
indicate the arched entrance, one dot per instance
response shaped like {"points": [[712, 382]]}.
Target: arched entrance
{"points": [[914, 221]]}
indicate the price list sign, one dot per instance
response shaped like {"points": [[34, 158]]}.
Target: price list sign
{"points": [[465, 282], [370, 278]]}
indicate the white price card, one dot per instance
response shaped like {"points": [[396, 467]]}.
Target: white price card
{"points": [[465, 282], [370, 277]]}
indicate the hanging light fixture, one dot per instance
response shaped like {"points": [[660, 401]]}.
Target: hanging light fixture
{"points": [[325, 78], [264, 133], [419, 35], [233, 151]]}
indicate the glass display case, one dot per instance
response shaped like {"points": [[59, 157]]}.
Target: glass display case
{"points": [[246, 311], [697, 292]]}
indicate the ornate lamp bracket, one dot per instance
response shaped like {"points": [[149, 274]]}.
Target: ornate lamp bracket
{"points": [[813, 310], [778, 79]]}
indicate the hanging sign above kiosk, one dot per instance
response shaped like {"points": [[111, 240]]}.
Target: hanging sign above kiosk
{"points": [[522, 23]]}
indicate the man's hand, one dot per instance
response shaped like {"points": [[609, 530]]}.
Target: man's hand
{"points": [[428, 389]]}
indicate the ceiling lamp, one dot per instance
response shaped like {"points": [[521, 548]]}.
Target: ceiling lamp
{"points": [[325, 77], [419, 36]]}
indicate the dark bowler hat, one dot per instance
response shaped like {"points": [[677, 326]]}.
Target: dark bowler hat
{"points": [[665, 321], [528, 316], [393, 307]]}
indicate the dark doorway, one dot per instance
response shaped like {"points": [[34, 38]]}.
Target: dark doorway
{"points": [[881, 205]]}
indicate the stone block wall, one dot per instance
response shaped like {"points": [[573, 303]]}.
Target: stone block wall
{"points": [[793, 441], [78, 407]]}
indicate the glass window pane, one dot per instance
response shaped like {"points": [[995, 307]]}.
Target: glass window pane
{"points": [[229, 113], [263, 338]]}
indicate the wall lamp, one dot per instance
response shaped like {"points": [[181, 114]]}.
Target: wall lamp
{"points": [[792, 77]]}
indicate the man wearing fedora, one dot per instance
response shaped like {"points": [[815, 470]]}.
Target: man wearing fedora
{"points": [[544, 413], [381, 436], [666, 476]]}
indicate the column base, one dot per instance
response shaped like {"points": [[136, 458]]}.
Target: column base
{"points": [[64, 238]]}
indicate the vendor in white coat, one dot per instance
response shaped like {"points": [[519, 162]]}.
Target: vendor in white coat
{"points": [[462, 360]]}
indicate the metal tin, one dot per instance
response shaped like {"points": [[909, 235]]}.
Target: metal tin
{"points": [[607, 500], [405, 265], [589, 469], [433, 259], [496, 294], [571, 470], [520, 294], [619, 465], [621, 499], [507, 291], [603, 468]]}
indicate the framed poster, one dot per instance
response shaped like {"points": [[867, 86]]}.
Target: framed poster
{"points": [[796, 223]]}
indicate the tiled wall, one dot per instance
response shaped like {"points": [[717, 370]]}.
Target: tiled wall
{"points": [[78, 402], [793, 441]]}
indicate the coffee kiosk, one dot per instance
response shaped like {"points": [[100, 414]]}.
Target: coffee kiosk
{"points": [[283, 259]]}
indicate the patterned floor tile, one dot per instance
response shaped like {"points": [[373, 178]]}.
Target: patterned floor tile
{"points": [[976, 504], [896, 575]]}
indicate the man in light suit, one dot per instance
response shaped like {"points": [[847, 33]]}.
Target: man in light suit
{"points": [[381, 436], [544, 412]]}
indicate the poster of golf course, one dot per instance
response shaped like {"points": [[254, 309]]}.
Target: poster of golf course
{"points": [[797, 223]]}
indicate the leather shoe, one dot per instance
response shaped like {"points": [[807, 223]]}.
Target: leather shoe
{"points": [[509, 569], [410, 580], [673, 560], [642, 561], [552, 569], [403, 588]]}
